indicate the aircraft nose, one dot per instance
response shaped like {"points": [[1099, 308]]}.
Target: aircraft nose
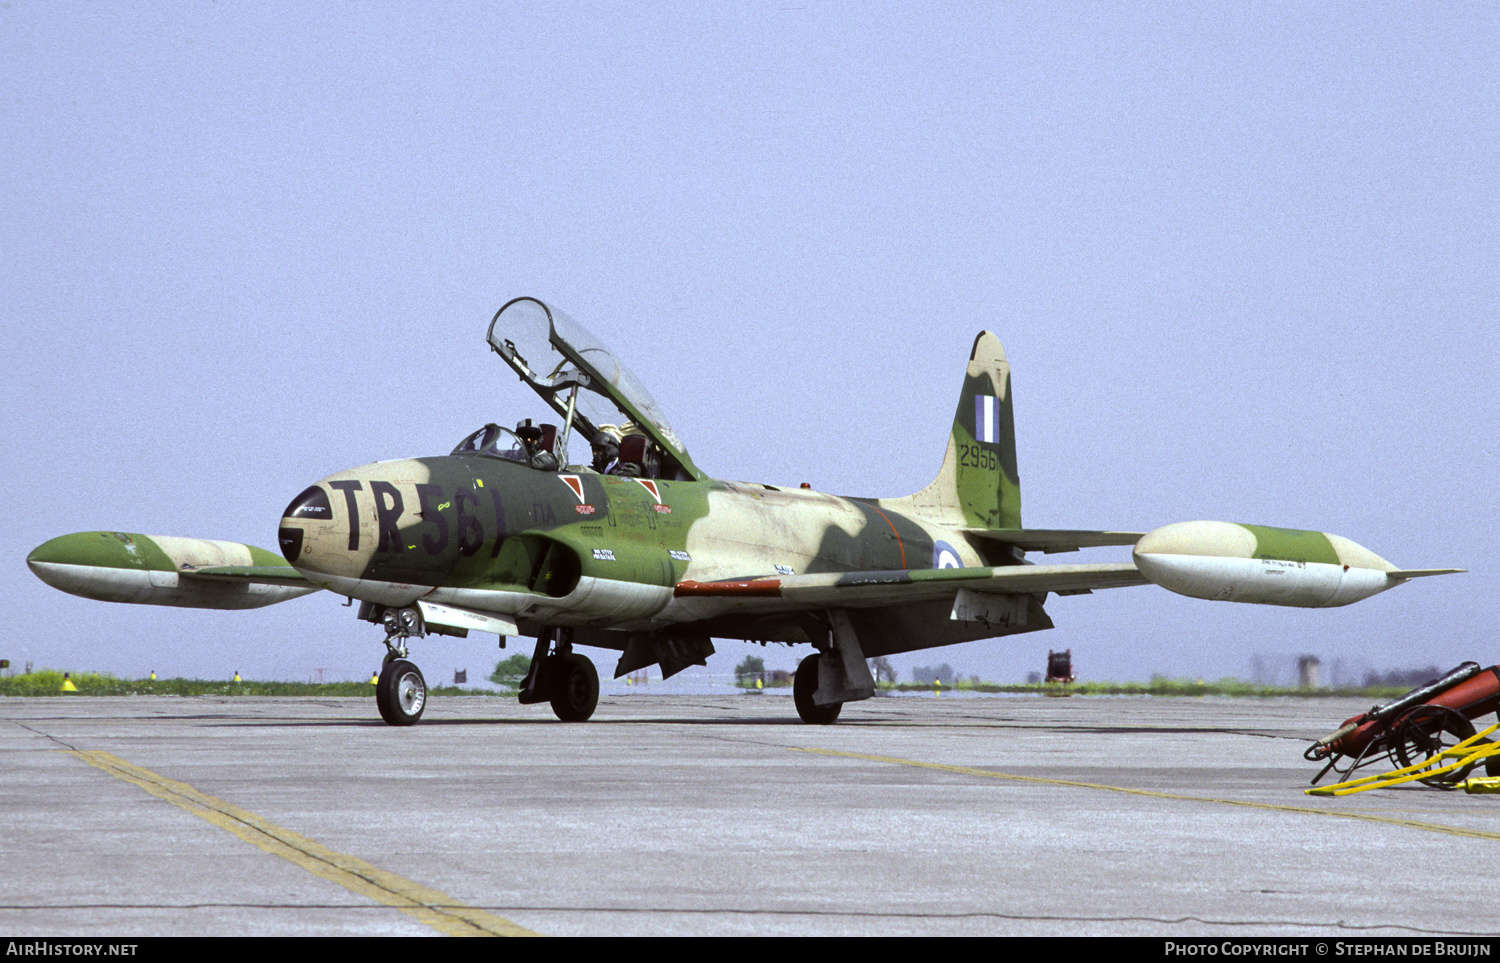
{"points": [[342, 533], [311, 505], [322, 532]]}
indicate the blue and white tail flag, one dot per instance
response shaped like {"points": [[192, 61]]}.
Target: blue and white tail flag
{"points": [[987, 419]]}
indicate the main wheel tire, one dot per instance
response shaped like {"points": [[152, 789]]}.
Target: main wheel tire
{"points": [[1424, 732], [804, 684], [401, 693], [575, 687]]}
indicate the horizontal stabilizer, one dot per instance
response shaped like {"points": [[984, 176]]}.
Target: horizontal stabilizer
{"points": [[1423, 572], [1053, 539]]}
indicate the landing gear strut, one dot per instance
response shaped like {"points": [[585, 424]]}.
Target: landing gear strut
{"points": [[564, 678]]}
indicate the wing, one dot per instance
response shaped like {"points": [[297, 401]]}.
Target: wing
{"points": [[879, 589]]}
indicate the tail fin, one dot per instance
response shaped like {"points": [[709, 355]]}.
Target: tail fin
{"points": [[978, 486]]}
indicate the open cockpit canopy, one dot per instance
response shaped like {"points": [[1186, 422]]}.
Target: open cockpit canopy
{"points": [[583, 381]]}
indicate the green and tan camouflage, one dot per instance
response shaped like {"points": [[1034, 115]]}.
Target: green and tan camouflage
{"points": [[652, 558], [1223, 561], [978, 485], [165, 570]]}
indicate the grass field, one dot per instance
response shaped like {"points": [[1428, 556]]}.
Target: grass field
{"points": [[1157, 687], [49, 682]]}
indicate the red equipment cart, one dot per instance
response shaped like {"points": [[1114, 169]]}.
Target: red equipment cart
{"points": [[1417, 726]]}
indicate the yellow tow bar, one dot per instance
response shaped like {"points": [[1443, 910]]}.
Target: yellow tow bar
{"points": [[1467, 753]]}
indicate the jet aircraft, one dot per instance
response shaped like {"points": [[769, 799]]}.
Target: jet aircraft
{"points": [[643, 553]]}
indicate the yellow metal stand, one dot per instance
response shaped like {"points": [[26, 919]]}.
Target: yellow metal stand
{"points": [[1466, 753]]}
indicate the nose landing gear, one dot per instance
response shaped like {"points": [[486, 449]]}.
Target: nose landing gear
{"points": [[401, 693]]}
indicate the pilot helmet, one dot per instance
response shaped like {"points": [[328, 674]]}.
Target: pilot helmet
{"points": [[528, 432]]}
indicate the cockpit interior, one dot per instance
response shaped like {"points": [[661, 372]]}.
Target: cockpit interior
{"points": [[633, 456]]}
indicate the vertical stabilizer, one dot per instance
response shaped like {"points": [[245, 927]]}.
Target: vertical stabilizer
{"points": [[978, 486]]}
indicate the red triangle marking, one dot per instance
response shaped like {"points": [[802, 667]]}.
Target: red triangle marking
{"points": [[650, 486], [572, 482]]}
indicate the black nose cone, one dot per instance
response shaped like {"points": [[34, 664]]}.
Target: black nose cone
{"points": [[311, 504], [291, 542]]}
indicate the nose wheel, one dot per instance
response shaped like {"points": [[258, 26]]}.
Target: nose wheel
{"points": [[401, 693]]}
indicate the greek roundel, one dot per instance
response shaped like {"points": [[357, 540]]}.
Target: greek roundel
{"points": [[944, 556]]}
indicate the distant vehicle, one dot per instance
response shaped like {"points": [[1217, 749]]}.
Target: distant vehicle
{"points": [[1060, 666], [642, 552]]}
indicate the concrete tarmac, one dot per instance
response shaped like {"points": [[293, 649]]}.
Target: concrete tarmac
{"points": [[720, 815]]}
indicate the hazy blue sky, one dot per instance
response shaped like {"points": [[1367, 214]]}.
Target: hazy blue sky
{"points": [[1243, 258]]}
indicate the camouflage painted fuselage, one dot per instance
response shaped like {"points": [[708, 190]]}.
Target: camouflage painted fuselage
{"points": [[610, 556], [590, 551]]}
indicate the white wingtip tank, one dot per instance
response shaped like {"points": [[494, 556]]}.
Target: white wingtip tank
{"points": [[1223, 561]]}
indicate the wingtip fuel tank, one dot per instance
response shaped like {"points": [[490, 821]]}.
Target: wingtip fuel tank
{"points": [[1224, 561], [163, 570]]}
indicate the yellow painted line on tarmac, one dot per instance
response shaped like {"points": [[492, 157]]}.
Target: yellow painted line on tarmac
{"points": [[1012, 777], [436, 909]]}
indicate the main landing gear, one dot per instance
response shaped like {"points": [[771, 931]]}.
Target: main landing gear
{"points": [[564, 678], [804, 684], [834, 675]]}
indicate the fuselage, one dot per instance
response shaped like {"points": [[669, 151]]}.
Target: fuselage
{"points": [[574, 547]]}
